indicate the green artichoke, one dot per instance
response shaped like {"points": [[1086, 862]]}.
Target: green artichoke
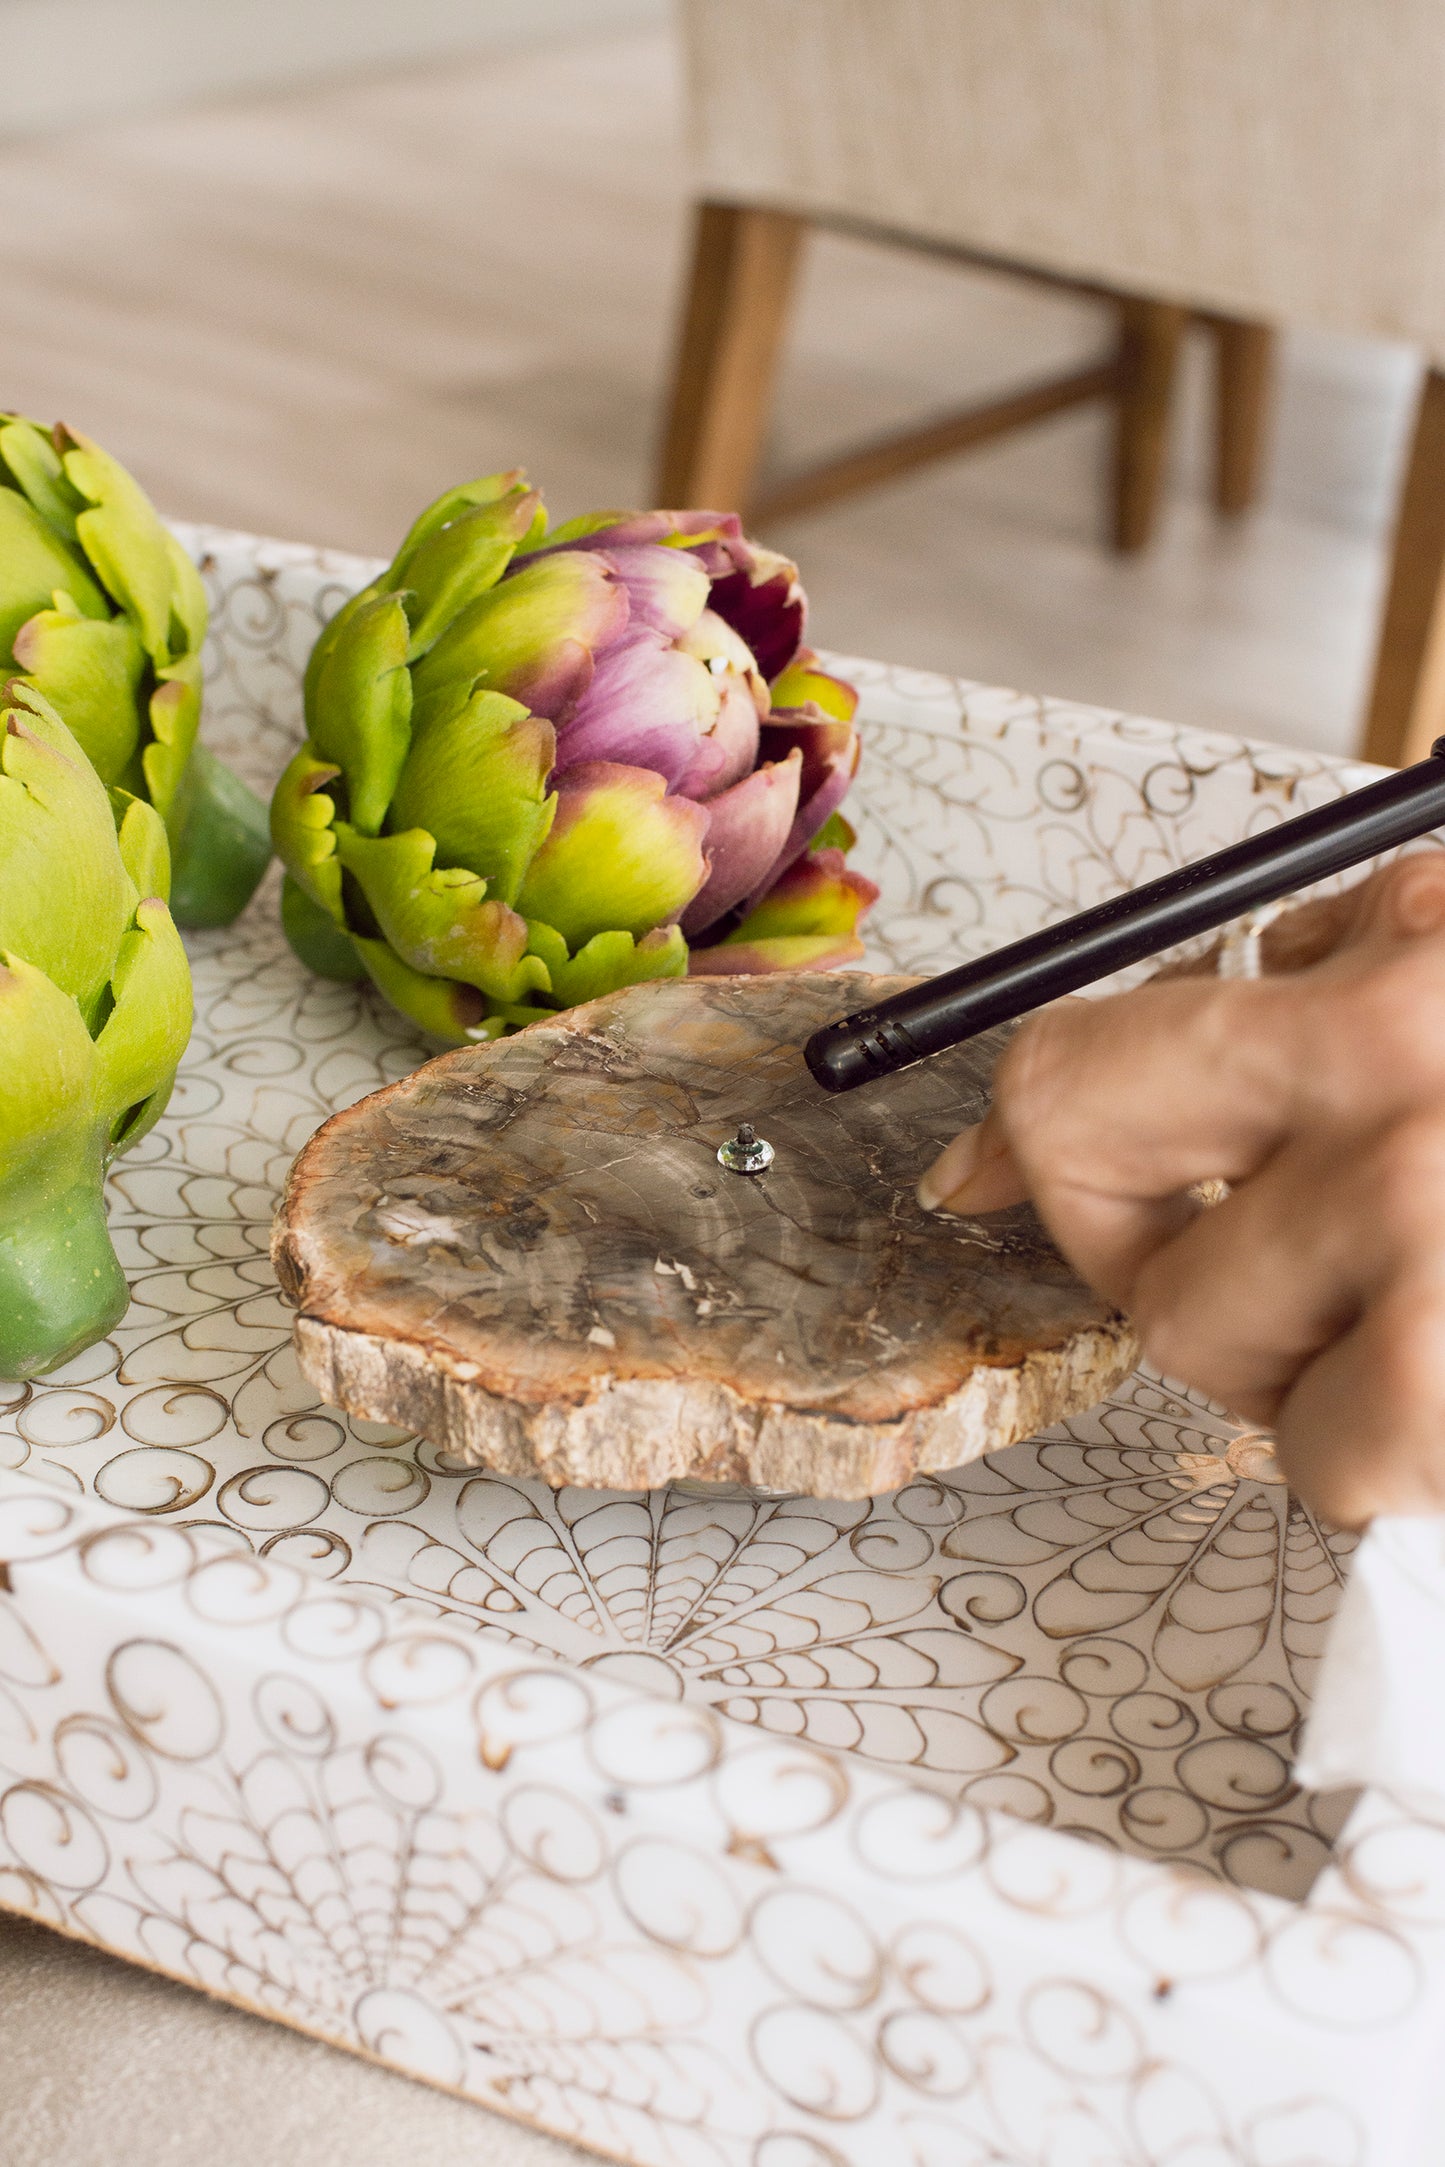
{"points": [[95, 1011], [543, 765], [103, 611]]}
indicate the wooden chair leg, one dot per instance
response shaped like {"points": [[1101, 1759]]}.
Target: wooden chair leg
{"points": [[1244, 360], [743, 264], [1150, 333], [1407, 701]]}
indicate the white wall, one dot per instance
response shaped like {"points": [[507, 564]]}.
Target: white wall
{"points": [[63, 61]]}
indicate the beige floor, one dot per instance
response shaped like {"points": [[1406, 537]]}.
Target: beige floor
{"points": [[309, 314], [104, 2066]]}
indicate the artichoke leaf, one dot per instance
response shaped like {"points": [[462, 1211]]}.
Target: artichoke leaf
{"points": [[443, 706], [444, 588], [361, 714], [534, 636], [442, 1007], [608, 962], [175, 718], [90, 668], [671, 530], [34, 463], [479, 787], [439, 920], [421, 588], [303, 815], [144, 850], [47, 1086], [66, 899], [141, 1118], [453, 505], [808, 921], [222, 843], [804, 680], [330, 633], [621, 855], [580, 529], [493, 489], [748, 827], [137, 1050], [836, 833], [122, 535], [818, 895], [322, 945], [36, 566], [61, 1285], [734, 958], [515, 1016], [190, 610], [462, 560]]}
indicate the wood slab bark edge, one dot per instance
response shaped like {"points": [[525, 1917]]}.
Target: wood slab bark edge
{"points": [[637, 1434], [527, 1253]]}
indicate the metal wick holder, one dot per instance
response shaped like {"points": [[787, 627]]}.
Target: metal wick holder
{"points": [[747, 1152]]}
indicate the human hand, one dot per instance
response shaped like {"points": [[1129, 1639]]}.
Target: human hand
{"points": [[1310, 1300]]}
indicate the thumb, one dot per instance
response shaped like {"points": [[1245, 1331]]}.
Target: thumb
{"points": [[977, 1172]]}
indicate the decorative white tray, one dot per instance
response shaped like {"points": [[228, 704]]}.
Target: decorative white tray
{"points": [[705, 1826]]}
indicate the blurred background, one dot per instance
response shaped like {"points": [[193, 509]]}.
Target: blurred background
{"points": [[303, 266]]}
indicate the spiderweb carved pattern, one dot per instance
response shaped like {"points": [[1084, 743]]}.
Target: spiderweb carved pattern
{"points": [[1108, 1630]]}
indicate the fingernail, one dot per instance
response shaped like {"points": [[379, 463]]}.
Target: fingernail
{"points": [[950, 1170]]}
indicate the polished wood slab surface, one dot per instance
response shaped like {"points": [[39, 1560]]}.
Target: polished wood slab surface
{"points": [[529, 1252]]}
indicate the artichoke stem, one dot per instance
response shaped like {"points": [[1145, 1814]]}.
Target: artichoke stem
{"points": [[221, 848], [61, 1285]]}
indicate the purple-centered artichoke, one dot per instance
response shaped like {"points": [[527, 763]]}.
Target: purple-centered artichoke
{"points": [[540, 766]]}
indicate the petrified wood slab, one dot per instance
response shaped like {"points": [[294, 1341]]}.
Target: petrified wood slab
{"points": [[528, 1252]]}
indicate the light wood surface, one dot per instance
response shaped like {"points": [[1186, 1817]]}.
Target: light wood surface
{"points": [[528, 1252], [307, 314], [129, 56], [1407, 699]]}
